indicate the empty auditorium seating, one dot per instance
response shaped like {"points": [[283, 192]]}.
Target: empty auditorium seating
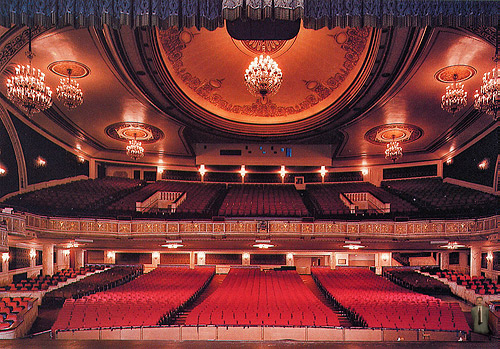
{"points": [[417, 282], [379, 303], [79, 197], [144, 301], [326, 197], [436, 196], [251, 297], [94, 283], [262, 200], [199, 197], [479, 284], [11, 310], [42, 283]]}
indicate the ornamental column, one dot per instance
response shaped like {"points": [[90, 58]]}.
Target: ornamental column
{"points": [[475, 261], [79, 260], [445, 260], [48, 259]]}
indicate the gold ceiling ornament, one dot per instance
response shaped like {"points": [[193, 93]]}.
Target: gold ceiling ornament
{"points": [[69, 92], [263, 77], [393, 151], [487, 98], [27, 88], [454, 98], [135, 149]]}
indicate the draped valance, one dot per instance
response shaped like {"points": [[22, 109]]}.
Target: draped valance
{"points": [[211, 14]]}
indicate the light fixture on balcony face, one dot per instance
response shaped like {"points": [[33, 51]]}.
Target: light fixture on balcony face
{"points": [[27, 88], [263, 77]]}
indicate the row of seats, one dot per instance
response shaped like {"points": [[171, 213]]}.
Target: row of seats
{"points": [[11, 310], [479, 284], [251, 297], [144, 301], [41, 283], [377, 302], [93, 283], [263, 200], [118, 196], [417, 282]]}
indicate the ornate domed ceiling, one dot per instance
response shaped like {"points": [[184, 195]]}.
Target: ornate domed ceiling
{"points": [[321, 69]]}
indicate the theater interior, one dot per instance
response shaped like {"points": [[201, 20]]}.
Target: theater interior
{"points": [[242, 172]]}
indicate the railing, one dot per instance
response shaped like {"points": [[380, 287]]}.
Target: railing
{"points": [[348, 203], [367, 201], [162, 200]]}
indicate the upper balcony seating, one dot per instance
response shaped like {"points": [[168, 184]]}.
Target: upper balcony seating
{"points": [[436, 196], [251, 297], [327, 197], [417, 282], [79, 197], [198, 199], [380, 303], [253, 200], [144, 301]]}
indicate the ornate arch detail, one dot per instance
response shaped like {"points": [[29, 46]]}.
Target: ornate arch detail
{"points": [[18, 149]]}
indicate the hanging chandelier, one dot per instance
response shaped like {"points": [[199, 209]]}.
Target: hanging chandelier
{"points": [[27, 87], [69, 92], [263, 77], [454, 98], [487, 99], [135, 149], [393, 151]]}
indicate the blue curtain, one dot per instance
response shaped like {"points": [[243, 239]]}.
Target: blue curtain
{"points": [[211, 14]]}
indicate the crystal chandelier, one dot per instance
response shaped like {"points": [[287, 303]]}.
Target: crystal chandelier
{"points": [[394, 151], [455, 98], [487, 99], [263, 77], [27, 88], [135, 149], [69, 92]]}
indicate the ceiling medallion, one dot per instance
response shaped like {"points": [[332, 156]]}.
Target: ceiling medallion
{"points": [[455, 97], [263, 77], [487, 99], [27, 88], [402, 133], [126, 131]]}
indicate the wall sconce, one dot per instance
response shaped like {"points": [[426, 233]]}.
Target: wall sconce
{"points": [[111, 254], [156, 255], [243, 172], [483, 165], [323, 171], [289, 256], [201, 255], [3, 171], [489, 256], [245, 256], [202, 170], [65, 253], [32, 253], [40, 162], [384, 257], [5, 257], [364, 171]]}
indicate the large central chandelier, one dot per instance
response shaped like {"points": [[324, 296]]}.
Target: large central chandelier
{"points": [[69, 92], [27, 87], [263, 77], [487, 99], [393, 151], [454, 98], [135, 149]]}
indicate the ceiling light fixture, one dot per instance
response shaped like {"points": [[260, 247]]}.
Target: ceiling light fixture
{"points": [[135, 149], [393, 151], [27, 87], [263, 244], [454, 98], [173, 244], [453, 245], [69, 92], [353, 246], [263, 77], [487, 99]]}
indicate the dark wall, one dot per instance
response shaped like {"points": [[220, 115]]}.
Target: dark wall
{"points": [[10, 181], [465, 164], [60, 163]]}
